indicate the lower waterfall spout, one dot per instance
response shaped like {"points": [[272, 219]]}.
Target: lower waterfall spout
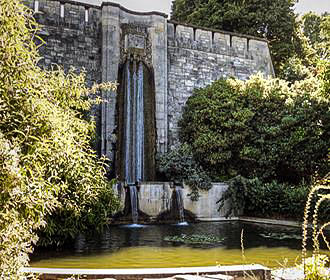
{"points": [[179, 201], [134, 203], [178, 206]]}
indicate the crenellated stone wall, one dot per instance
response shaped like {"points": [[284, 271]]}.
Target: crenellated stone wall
{"points": [[182, 57], [197, 57], [70, 40]]}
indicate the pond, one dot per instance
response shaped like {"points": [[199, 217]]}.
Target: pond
{"points": [[200, 244]]}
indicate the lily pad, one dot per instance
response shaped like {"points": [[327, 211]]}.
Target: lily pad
{"points": [[194, 239]]}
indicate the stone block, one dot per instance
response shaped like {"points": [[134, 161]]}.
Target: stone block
{"points": [[239, 45], [221, 40], [204, 38], [184, 33], [170, 31]]}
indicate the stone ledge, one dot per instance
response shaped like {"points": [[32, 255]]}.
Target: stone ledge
{"points": [[238, 271], [275, 222], [270, 221]]}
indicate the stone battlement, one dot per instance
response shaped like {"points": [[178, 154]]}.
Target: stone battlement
{"points": [[66, 14], [87, 18], [213, 41], [79, 15]]}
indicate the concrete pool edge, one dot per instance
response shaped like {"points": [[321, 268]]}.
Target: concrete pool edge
{"points": [[275, 222], [256, 270]]}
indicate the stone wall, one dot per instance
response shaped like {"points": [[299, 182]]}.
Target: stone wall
{"points": [[155, 199], [70, 40], [182, 57], [197, 57]]}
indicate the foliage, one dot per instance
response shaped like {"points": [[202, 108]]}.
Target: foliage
{"points": [[294, 70], [316, 37], [194, 239], [311, 27], [258, 128], [273, 20], [317, 29], [323, 75], [46, 163], [179, 165], [273, 199]]}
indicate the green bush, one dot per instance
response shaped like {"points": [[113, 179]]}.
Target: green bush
{"points": [[50, 178], [179, 165], [256, 198], [259, 128]]}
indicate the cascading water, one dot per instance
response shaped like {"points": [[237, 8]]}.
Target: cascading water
{"points": [[134, 203], [179, 201], [136, 128], [140, 127], [134, 123]]}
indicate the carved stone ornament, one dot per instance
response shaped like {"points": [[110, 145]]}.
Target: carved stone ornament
{"points": [[135, 43]]}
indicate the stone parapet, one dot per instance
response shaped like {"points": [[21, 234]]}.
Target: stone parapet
{"points": [[155, 199]]}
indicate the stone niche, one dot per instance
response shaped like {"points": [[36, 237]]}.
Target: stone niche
{"points": [[139, 37]]}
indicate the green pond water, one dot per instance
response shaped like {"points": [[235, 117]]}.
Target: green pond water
{"points": [[201, 244]]}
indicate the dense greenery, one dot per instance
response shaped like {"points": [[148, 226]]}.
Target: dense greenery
{"points": [[50, 178], [258, 128], [269, 139], [273, 20], [316, 28], [179, 166]]}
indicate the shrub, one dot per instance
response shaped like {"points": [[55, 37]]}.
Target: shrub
{"points": [[179, 165], [273, 199], [294, 70], [315, 267]]}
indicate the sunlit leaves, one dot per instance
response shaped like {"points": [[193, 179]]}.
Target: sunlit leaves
{"points": [[50, 178]]}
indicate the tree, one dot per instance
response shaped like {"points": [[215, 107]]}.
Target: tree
{"points": [[50, 178], [311, 27], [273, 20]]}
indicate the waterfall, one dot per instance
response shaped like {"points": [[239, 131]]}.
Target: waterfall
{"points": [[139, 127], [134, 122], [128, 125], [134, 203], [179, 201]]}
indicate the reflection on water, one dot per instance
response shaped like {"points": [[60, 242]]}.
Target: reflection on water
{"points": [[133, 247]]}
